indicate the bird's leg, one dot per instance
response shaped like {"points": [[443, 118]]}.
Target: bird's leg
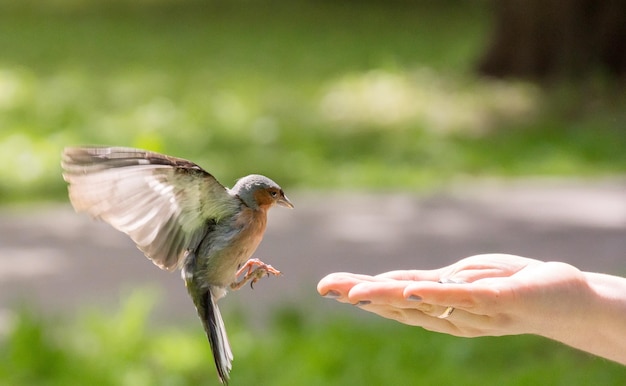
{"points": [[254, 270]]}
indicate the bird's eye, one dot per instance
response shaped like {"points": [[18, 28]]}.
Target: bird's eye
{"points": [[273, 193]]}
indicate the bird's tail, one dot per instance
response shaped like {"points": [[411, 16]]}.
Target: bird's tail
{"points": [[216, 332]]}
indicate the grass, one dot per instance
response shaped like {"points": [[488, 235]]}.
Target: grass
{"points": [[120, 349], [324, 94], [314, 94]]}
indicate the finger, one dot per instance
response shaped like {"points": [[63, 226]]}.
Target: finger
{"points": [[390, 294], [472, 274], [459, 323], [473, 297], [387, 292], [337, 285], [409, 316], [394, 293], [415, 275]]}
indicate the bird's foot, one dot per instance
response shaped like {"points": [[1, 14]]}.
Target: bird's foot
{"points": [[254, 270]]}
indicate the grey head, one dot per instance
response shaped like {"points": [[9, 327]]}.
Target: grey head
{"points": [[260, 192]]}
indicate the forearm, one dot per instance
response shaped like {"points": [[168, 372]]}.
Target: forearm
{"points": [[601, 325]]}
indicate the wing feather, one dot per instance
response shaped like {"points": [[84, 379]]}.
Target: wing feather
{"points": [[165, 204]]}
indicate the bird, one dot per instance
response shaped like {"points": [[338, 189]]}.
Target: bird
{"points": [[180, 217]]}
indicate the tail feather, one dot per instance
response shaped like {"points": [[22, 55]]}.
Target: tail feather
{"points": [[216, 333]]}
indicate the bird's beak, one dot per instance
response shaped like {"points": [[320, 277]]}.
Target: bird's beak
{"points": [[284, 201]]}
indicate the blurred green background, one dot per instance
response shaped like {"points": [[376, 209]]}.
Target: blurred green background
{"points": [[328, 95], [319, 94]]}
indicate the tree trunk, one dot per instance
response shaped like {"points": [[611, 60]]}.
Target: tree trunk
{"points": [[544, 39]]}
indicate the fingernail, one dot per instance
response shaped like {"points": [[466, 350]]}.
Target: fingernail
{"points": [[414, 298], [332, 294], [363, 303]]}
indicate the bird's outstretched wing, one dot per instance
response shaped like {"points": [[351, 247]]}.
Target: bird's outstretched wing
{"points": [[165, 204]]}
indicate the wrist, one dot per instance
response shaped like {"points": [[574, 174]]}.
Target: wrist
{"points": [[563, 304], [590, 314], [608, 335]]}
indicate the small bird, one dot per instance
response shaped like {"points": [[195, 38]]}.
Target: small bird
{"points": [[180, 216]]}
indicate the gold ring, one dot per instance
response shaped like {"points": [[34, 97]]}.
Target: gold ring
{"points": [[446, 313]]}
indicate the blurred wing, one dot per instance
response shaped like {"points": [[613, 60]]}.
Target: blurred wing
{"points": [[165, 204]]}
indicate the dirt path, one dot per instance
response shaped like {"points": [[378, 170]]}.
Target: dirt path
{"points": [[58, 260]]}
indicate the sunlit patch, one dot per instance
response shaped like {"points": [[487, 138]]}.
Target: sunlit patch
{"points": [[8, 319], [230, 110], [437, 102], [20, 159], [13, 88], [264, 130], [158, 113]]}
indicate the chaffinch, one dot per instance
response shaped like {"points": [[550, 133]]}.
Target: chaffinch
{"points": [[180, 216]]}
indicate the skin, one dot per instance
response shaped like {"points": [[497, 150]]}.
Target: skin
{"points": [[502, 295]]}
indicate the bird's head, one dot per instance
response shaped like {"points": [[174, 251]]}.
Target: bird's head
{"points": [[259, 192]]}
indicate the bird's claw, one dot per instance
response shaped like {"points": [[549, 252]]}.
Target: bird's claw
{"points": [[254, 270]]}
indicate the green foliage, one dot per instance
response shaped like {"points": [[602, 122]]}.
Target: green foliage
{"points": [[316, 94], [120, 349]]}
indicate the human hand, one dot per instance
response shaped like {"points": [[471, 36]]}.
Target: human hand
{"points": [[502, 295]]}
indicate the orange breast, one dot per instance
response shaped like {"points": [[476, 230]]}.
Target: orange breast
{"points": [[252, 223], [225, 263]]}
